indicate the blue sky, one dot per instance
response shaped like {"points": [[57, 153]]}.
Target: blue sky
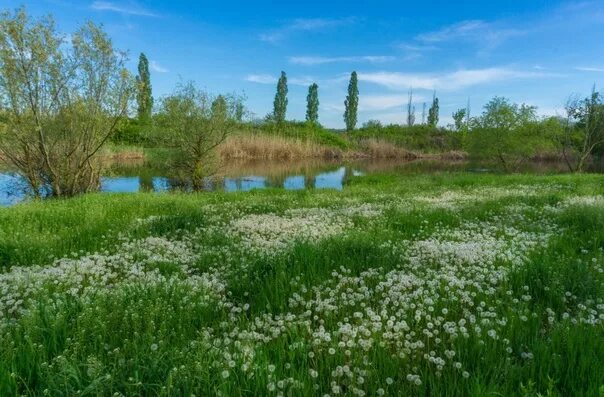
{"points": [[536, 51]]}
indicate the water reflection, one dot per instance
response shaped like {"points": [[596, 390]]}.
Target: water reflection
{"points": [[321, 180], [121, 184], [246, 176], [11, 188]]}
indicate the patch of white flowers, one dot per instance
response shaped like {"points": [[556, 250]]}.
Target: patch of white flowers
{"points": [[450, 285], [272, 233], [589, 201], [138, 261]]}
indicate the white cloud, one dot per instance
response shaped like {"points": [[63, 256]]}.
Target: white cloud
{"points": [[415, 51], [304, 25], [446, 81], [391, 117], [317, 60], [311, 24], [589, 69], [156, 67], [261, 78], [303, 81], [460, 29], [383, 102], [121, 8], [272, 37], [400, 81], [485, 34], [376, 103], [417, 47], [546, 111], [270, 79]]}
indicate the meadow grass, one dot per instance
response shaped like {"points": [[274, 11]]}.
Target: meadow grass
{"points": [[448, 284]]}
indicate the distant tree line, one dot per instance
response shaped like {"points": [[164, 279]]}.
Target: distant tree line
{"points": [[508, 133], [62, 101]]}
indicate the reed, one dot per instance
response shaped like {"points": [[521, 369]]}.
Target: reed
{"points": [[274, 147]]}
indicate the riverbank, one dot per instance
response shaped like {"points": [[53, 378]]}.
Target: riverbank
{"points": [[422, 284], [274, 147]]}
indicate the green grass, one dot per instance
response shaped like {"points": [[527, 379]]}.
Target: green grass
{"points": [[240, 293], [421, 138]]}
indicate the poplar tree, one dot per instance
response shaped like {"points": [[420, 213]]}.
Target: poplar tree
{"points": [[144, 97], [433, 112], [219, 108], [424, 113], [280, 103], [312, 104], [410, 110], [352, 103]]}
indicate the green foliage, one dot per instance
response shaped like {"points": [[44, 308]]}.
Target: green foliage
{"points": [[195, 124], [131, 131], [239, 111], [280, 103], [312, 104], [144, 96], [372, 124], [66, 100], [352, 103], [584, 132], [433, 112], [418, 137], [459, 118], [220, 109], [507, 133]]}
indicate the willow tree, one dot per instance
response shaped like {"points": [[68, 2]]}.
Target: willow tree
{"points": [[196, 124], [505, 132], [63, 101], [583, 134]]}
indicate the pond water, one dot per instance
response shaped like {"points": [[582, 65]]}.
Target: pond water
{"points": [[250, 175]]}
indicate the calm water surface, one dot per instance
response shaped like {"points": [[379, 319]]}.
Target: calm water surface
{"points": [[246, 176]]}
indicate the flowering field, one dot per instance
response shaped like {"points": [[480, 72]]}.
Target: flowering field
{"points": [[451, 285]]}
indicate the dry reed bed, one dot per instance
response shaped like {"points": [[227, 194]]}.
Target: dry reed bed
{"points": [[281, 148]]}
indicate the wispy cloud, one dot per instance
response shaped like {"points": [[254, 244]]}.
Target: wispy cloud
{"points": [[383, 102], [417, 47], [304, 25], [261, 78], [318, 60], [589, 69], [376, 103], [302, 81], [270, 79], [488, 35], [415, 50], [122, 8], [546, 111], [460, 29], [156, 67], [447, 81], [310, 24]]}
